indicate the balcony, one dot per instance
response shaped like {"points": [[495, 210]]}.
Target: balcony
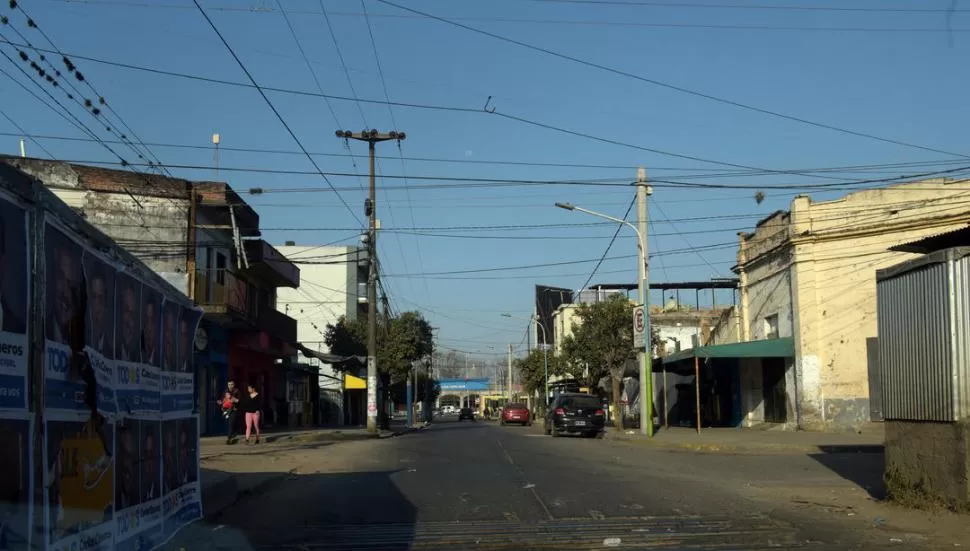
{"points": [[267, 264], [230, 299], [224, 207]]}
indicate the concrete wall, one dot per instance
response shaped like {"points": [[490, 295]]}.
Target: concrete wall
{"points": [[727, 328], [752, 392], [682, 328], [153, 225], [563, 319], [928, 461], [827, 254], [326, 292]]}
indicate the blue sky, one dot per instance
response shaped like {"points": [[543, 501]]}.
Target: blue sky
{"points": [[908, 85]]}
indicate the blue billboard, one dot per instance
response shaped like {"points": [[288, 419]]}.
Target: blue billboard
{"points": [[463, 384]]}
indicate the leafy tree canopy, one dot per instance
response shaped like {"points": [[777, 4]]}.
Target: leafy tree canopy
{"points": [[401, 341], [532, 370]]}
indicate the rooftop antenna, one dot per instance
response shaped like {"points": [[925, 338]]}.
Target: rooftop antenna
{"points": [[23, 149], [215, 141]]}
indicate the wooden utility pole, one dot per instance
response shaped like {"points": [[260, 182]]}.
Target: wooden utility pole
{"points": [[372, 137]]}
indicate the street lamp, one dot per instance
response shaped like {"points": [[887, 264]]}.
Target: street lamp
{"points": [[646, 385], [545, 351]]}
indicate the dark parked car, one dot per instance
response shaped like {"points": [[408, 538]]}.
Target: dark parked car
{"points": [[466, 413], [516, 413], [573, 413]]}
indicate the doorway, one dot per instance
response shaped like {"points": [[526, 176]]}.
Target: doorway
{"points": [[773, 375]]}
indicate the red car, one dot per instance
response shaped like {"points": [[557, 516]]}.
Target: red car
{"points": [[516, 413]]}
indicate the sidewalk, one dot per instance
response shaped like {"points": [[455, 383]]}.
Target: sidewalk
{"points": [[757, 440], [229, 472]]}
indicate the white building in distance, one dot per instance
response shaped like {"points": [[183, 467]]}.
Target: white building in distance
{"points": [[333, 284]]}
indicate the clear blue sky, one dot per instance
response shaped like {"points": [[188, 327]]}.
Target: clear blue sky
{"points": [[908, 85]]}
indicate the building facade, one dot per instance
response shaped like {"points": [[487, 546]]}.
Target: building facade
{"points": [[333, 285], [808, 274], [204, 240]]}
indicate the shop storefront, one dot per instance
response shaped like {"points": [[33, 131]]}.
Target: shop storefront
{"points": [[212, 372]]}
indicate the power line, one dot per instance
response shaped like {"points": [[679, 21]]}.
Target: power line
{"points": [[500, 182], [390, 110], [651, 3], [13, 122], [273, 108], [548, 164], [508, 116], [101, 99], [668, 85], [548, 21], [610, 245]]}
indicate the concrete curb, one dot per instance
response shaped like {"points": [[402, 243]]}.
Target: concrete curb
{"points": [[760, 448]]}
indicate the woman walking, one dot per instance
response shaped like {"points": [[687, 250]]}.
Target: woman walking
{"points": [[250, 404]]}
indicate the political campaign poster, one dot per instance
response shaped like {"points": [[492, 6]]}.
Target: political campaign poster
{"points": [[16, 484], [178, 327], [151, 335], [14, 304], [138, 486], [78, 483], [99, 299], [189, 319], [182, 503], [128, 328], [64, 322]]}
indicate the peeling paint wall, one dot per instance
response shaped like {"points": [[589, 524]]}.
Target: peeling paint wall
{"points": [[683, 328], [817, 266], [152, 225]]}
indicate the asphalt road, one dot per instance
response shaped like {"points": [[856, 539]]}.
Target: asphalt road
{"points": [[483, 486]]}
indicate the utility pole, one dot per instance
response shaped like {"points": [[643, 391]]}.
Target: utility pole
{"points": [[646, 358], [510, 373], [372, 137]]}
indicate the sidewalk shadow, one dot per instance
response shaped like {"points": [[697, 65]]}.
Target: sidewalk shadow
{"points": [[359, 510], [865, 470]]}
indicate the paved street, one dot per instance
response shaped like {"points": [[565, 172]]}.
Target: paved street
{"points": [[482, 486]]}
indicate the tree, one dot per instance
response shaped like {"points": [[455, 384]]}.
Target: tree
{"points": [[532, 370], [401, 341], [602, 343], [346, 338]]}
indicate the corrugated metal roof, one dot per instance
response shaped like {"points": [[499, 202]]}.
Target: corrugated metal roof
{"points": [[936, 242]]}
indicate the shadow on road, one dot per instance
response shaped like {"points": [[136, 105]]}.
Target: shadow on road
{"points": [[449, 425], [334, 510], [862, 469]]}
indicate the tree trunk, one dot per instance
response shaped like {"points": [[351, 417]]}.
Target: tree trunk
{"points": [[617, 407]]}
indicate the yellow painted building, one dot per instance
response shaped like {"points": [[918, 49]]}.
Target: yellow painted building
{"points": [[809, 273]]}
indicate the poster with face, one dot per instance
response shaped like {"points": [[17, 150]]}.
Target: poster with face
{"points": [[170, 336], [14, 302], [99, 282], [128, 316], [16, 487], [178, 399], [64, 321], [138, 505], [188, 324], [99, 299], [150, 385], [78, 483], [183, 503], [151, 329]]}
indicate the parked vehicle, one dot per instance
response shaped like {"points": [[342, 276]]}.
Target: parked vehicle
{"points": [[466, 413], [516, 413], [573, 413]]}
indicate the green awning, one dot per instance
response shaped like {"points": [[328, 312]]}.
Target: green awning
{"points": [[771, 348]]}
